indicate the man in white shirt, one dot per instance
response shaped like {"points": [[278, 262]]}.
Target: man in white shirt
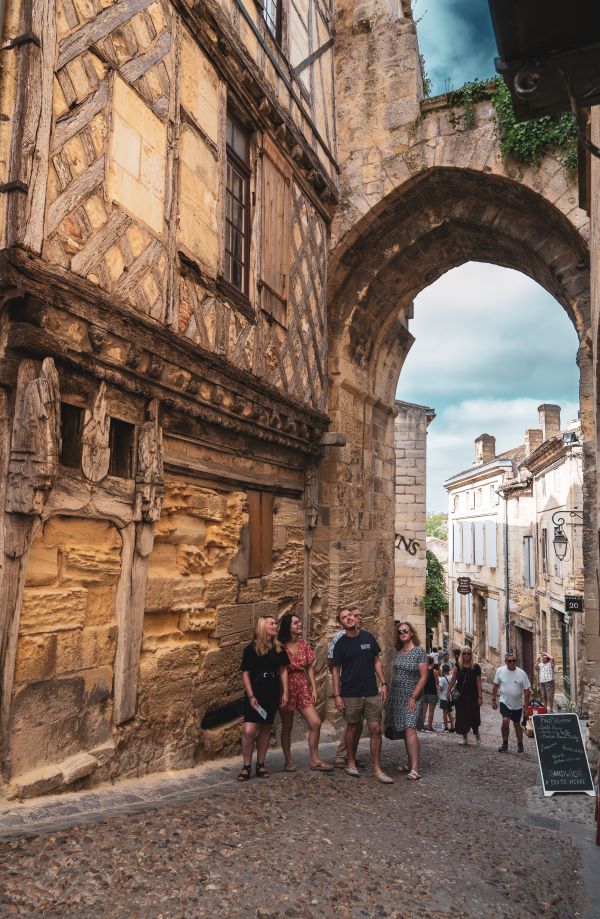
{"points": [[515, 689]]}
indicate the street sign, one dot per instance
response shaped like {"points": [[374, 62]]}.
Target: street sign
{"points": [[561, 754], [463, 585], [573, 604]]}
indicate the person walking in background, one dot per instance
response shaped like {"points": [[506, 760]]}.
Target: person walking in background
{"points": [[410, 672], [356, 667], [467, 679], [430, 692], [302, 692], [456, 659], [265, 678], [445, 704], [514, 688], [341, 760], [545, 664]]}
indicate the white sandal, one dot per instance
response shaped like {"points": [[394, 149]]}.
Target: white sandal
{"points": [[413, 776]]}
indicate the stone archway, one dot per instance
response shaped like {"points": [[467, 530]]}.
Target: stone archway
{"points": [[435, 221], [423, 188]]}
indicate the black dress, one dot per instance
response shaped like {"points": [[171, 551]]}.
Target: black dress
{"points": [[265, 681], [468, 712]]}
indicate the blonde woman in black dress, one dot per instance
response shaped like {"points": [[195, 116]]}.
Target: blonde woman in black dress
{"points": [[404, 708]]}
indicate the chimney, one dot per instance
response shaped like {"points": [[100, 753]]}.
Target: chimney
{"points": [[485, 449], [534, 438], [549, 419]]}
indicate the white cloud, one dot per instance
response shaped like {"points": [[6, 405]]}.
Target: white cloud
{"points": [[490, 346], [451, 436]]}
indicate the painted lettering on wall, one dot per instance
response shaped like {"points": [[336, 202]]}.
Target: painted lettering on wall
{"points": [[411, 545]]}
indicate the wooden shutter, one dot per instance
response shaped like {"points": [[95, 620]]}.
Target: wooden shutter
{"points": [[492, 623], [260, 526], [276, 210]]}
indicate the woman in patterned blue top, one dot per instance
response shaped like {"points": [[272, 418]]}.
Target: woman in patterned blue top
{"points": [[404, 707]]}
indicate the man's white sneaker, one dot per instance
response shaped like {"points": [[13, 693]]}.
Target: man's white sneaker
{"points": [[477, 739], [464, 742]]}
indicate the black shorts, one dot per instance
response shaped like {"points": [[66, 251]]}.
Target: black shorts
{"points": [[445, 705], [513, 713]]}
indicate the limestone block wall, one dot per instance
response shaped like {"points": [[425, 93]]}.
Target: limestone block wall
{"points": [[62, 696], [410, 441], [199, 614]]}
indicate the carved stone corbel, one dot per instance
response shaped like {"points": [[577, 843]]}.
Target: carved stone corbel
{"points": [[95, 449], [32, 469], [149, 476], [138, 542]]}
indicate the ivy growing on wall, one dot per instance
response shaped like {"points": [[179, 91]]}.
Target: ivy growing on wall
{"points": [[525, 141]]}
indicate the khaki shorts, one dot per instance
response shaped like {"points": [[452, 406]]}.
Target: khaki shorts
{"points": [[362, 708]]}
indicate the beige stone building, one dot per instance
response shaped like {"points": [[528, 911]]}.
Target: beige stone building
{"points": [[501, 537], [410, 438], [169, 174], [216, 215]]}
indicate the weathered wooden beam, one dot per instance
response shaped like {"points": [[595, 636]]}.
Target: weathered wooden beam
{"points": [[32, 118], [90, 32], [71, 123], [74, 194]]}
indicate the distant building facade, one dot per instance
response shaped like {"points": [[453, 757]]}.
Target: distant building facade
{"points": [[500, 535]]}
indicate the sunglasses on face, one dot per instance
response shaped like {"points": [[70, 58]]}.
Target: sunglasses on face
{"points": [[466, 654], [403, 631]]}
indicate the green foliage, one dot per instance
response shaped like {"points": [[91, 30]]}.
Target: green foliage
{"points": [[437, 525], [434, 601], [528, 141], [468, 95], [524, 141], [426, 80]]}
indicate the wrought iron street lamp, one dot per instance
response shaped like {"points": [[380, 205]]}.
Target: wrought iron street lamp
{"points": [[560, 540]]}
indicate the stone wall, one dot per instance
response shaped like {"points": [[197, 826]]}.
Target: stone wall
{"points": [[410, 440]]}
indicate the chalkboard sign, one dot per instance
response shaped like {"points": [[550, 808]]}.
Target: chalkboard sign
{"points": [[561, 754]]}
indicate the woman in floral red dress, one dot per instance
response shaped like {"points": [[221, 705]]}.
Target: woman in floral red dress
{"points": [[302, 693]]}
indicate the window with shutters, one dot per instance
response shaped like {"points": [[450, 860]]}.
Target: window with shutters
{"points": [[276, 217], [300, 13], [528, 562], [493, 629], [491, 558], [457, 610], [469, 614], [271, 11], [479, 532], [237, 209], [260, 530]]}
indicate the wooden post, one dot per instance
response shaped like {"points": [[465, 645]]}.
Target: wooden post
{"points": [[33, 464], [138, 542]]}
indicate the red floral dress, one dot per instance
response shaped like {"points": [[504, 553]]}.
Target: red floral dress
{"points": [[298, 692]]}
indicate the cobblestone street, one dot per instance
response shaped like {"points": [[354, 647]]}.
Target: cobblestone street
{"points": [[475, 835]]}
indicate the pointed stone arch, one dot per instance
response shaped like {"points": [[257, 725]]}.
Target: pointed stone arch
{"points": [[432, 222]]}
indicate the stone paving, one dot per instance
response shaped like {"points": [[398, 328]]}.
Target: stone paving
{"points": [[475, 837]]}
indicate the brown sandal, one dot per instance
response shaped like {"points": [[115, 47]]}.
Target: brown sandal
{"points": [[245, 773], [261, 772], [322, 767]]}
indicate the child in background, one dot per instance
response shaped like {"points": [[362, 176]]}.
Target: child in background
{"points": [[445, 704]]}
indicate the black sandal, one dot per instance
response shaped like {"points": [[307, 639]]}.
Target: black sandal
{"points": [[245, 773], [261, 772]]}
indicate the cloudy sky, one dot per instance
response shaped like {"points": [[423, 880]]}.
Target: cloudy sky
{"points": [[457, 41], [491, 345]]}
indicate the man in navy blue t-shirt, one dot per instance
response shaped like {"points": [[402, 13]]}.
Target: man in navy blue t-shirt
{"points": [[356, 666]]}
